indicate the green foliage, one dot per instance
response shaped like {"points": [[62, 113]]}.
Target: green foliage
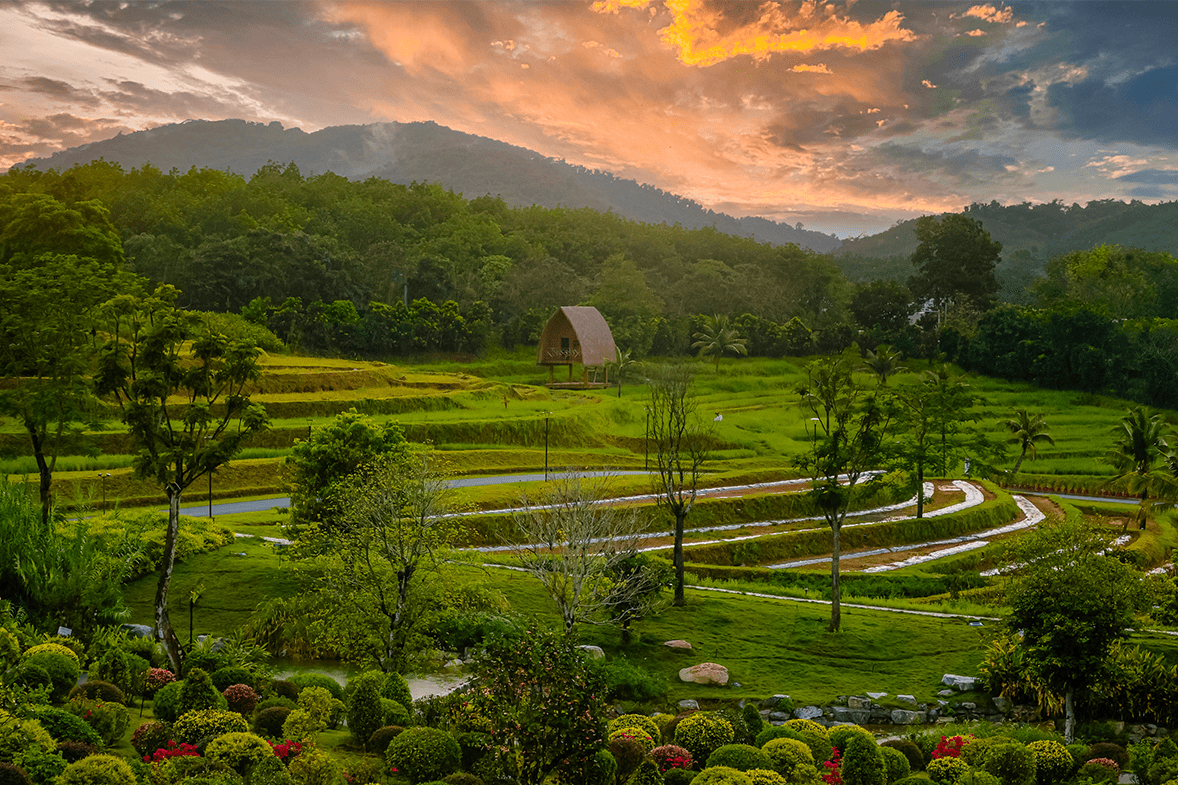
{"points": [[269, 721], [97, 770], [396, 688], [115, 668], [629, 754], [636, 721], [721, 775], [269, 771], [647, 773], [304, 680], [765, 777], [946, 771], [11, 774], [166, 703], [316, 707], [63, 670], [232, 674], [739, 756], [1114, 752], [955, 260], [393, 713], [840, 735], [65, 726], [151, 736], [379, 740], [315, 767], [1012, 764], [678, 776], [863, 764], [896, 764], [977, 777], [17, 734], [423, 753], [110, 720], [198, 692], [771, 732], [911, 752], [239, 750], [99, 691], [42, 766], [753, 722], [644, 739], [628, 681], [1053, 762], [816, 737], [365, 713], [702, 733], [193, 726], [1099, 771], [787, 755]]}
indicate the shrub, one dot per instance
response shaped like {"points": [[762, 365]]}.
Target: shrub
{"points": [[671, 756], [396, 688], [99, 691], [625, 681], [841, 734], [17, 734], [156, 679], [739, 756], [166, 703], [914, 780], [52, 648], [753, 722], [232, 674], [647, 773], [636, 721], [150, 736], [1114, 752], [423, 753], [946, 771], [462, 778], [977, 777], [628, 753], [771, 732], [241, 699], [116, 668], [765, 777], [238, 751], [678, 777], [63, 671], [1100, 770], [304, 680], [365, 713], [720, 775], [11, 774], [1053, 762], [269, 721], [32, 677], [951, 746], [64, 726], [110, 720], [273, 701], [72, 751], [863, 764], [785, 755], [97, 770], [42, 766], [172, 750], [196, 725], [815, 736], [896, 764], [637, 734], [393, 713], [269, 771], [701, 733], [601, 769], [974, 753], [284, 689], [312, 715], [198, 693], [740, 731], [1011, 763], [1079, 753], [380, 738], [911, 752], [9, 649]]}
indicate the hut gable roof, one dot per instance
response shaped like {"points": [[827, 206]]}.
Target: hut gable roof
{"points": [[597, 342]]}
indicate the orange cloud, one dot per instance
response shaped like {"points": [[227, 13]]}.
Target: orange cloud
{"points": [[988, 13], [811, 69]]}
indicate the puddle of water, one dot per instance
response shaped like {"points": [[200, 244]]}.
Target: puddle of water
{"points": [[419, 686]]}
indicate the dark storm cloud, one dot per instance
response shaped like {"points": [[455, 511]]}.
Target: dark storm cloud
{"points": [[54, 88], [1151, 177], [1143, 109]]}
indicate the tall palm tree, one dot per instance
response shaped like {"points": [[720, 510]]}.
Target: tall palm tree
{"points": [[718, 338], [1139, 453], [883, 362], [1028, 431]]}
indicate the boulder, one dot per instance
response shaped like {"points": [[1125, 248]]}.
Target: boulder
{"points": [[909, 699], [855, 702], [705, 673], [877, 695], [904, 717], [856, 716], [778, 716], [594, 652], [139, 630], [1002, 704], [678, 644], [773, 700], [808, 712], [960, 683], [688, 705]]}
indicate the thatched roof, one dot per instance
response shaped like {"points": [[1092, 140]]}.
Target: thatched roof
{"points": [[597, 342]]}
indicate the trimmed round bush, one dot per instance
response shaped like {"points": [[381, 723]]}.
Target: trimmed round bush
{"points": [[786, 755], [18, 734], [841, 734], [396, 688], [915, 757], [238, 751], [637, 734], [721, 775], [1011, 763], [678, 776], [702, 733], [394, 713], [1100, 770], [365, 713], [97, 770], [52, 648], [754, 723], [816, 737], [73, 751], [974, 752], [284, 689], [42, 766], [628, 753], [765, 777], [647, 773], [462, 778], [269, 771], [241, 699], [151, 736], [1053, 762], [1114, 752], [739, 756], [946, 771], [275, 700], [423, 753], [198, 693], [63, 671], [315, 767], [269, 721], [1079, 753], [99, 691], [196, 725], [109, 719], [302, 681], [636, 721], [977, 777], [896, 764], [771, 732], [30, 676], [63, 726], [380, 738], [11, 774], [601, 769], [863, 764], [913, 780], [671, 756], [232, 674]]}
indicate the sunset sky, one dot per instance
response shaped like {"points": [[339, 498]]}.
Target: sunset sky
{"points": [[842, 116]]}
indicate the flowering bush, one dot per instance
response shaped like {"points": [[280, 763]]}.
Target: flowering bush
{"points": [[951, 746], [195, 725], [670, 756], [242, 699], [287, 750], [172, 750], [156, 678], [636, 721], [637, 734], [1100, 770], [833, 766], [110, 720], [150, 736]]}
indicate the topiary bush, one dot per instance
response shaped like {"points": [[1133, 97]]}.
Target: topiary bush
{"points": [[11, 774], [316, 707], [98, 770], [365, 713], [30, 676], [315, 767], [754, 723], [222, 678], [99, 691], [269, 721], [198, 693], [462, 778], [977, 777], [1114, 752], [1011, 763], [396, 688], [916, 759], [196, 725], [816, 737], [863, 764], [110, 720], [380, 738], [241, 699], [393, 713], [739, 756], [151, 736], [275, 700], [628, 753], [269, 771], [786, 755], [42, 766], [156, 678], [841, 734], [64, 726], [896, 764], [671, 756], [771, 732], [302, 681], [52, 648], [1053, 762], [423, 753], [702, 733], [721, 775], [678, 776], [63, 670], [72, 751], [238, 751], [647, 773], [636, 721], [1100, 770], [765, 777], [946, 771], [637, 734], [17, 734], [284, 689]]}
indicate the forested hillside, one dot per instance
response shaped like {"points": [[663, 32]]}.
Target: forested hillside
{"points": [[419, 152]]}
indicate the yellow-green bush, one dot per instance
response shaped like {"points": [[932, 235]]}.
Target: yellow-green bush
{"points": [[196, 725], [786, 755], [651, 726], [702, 733], [816, 737], [238, 750], [97, 770]]}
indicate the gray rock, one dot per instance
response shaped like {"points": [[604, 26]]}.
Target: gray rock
{"points": [[961, 683], [705, 673], [855, 702], [909, 699], [594, 652], [808, 712], [1117, 725], [879, 715], [945, 693], [678, 644], [944, 720], [933, 715], [138, 630], [773, 700], [1002, 704], [1151, 729], [968, 706], [688, 705], [780, 716], [903, 717], [942, 704], [877, 695], [857, 716]]}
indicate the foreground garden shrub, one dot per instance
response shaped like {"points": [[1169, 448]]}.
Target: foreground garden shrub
{"points": [[1100, 770], [636, 721], [380, 738], [863, 764], [678, 777], [721, 775], [11, 774], [63, 671], [222, 678], [197, 693], [64, 726], [304, 680], [647, 773], [238, 751], [739, 756], [771, 732], [628, 753], [98, 770], [54, 649], [394, 713], [1053, 762], [72, 751], [241, 699], [702, 733], [284, 689], [269, 722], [765, 777], [816, 737], [423, 754], [671, 756], [150, 736], [916, 759], [1114, 752], [637, 734], [196, 725], [786, 755], [110, 720], [601, 769], [166, 703], [896, 765], [99, 691], [946, 771], [17, 734], [269, 771], [42, 766], [365, 712], [312, 716], [840, 735], [1011, 763]]}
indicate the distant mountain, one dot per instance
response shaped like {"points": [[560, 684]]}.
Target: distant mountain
{"points": [[422, 152]]}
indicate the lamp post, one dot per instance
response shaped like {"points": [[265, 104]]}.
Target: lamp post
{"points": [[210, 495], [547, 415], [103, 478], [646, 442]]}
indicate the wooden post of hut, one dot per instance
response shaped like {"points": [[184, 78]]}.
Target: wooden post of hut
{"points": [[576, 335]]}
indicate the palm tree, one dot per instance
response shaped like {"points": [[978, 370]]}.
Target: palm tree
{"points": [[1027, 431], [883, 362], [718, 338], [1138, 450], [622, 362]]}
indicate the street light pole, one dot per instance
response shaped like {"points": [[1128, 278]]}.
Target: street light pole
{"points": [[210, 495], [646, 442], [546, 416], [103, 478]]}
